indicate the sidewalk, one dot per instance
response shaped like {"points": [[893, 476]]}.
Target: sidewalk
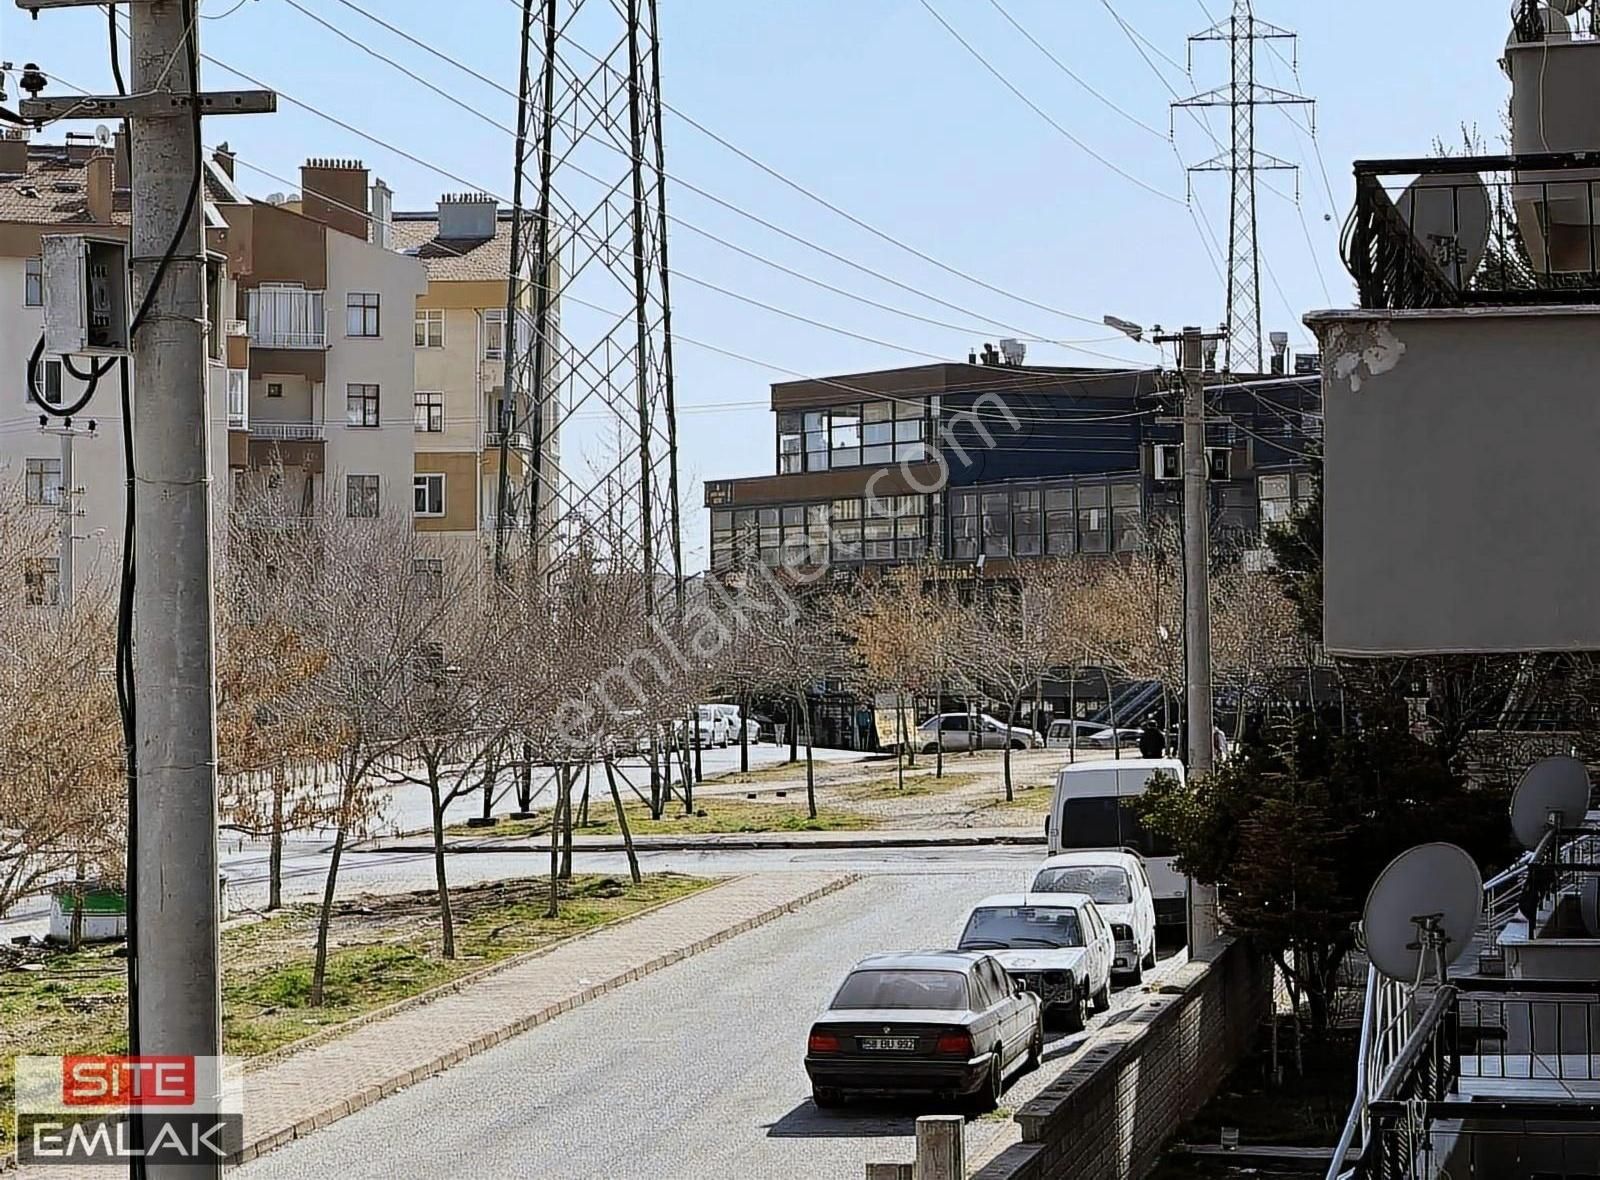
{"points": [[728, 841], [288, 1097]]}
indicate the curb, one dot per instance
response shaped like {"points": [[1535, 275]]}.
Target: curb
{"points": [[728, 844], [374, 1093]]}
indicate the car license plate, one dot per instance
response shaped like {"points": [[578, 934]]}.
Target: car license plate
{"points": [[893, 1044]]}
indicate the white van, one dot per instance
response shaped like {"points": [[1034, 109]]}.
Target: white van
{"points": [[733, 722], [1090, 810], [713, 725]]}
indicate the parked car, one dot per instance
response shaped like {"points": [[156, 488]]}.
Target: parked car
{"points": [[712, 725], [956, 730], [1108, 739], [933, 1022], [762, 728], [1062, 734], [733, 722], [1056, 945], [1121, 891]]}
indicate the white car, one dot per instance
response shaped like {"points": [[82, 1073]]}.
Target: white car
{"points": [[1121, 892], [712, 724], [1056, 945], [954, 732]]}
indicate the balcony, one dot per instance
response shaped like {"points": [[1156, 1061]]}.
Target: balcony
{"points": [[287, 317], [519, 440], [290, 431], [1457, 232], [238, 399]]}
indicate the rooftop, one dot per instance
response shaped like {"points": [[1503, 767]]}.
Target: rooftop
{"points": [[454, 259], [54, 189]]}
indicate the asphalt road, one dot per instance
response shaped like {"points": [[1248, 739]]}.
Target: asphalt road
{"points": [[694, 1071]]}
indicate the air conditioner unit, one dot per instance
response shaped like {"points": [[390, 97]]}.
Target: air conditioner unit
{"points": [[1219, 463], [1168, 463]]}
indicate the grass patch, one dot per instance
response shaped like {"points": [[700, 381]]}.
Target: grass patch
{"points": [[1028, 797], [381, 949], [722, 816], [920, 781]]}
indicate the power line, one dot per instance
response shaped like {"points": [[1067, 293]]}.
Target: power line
{"points": [[1038, 110]]}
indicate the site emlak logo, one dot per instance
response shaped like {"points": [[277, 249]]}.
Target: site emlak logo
{"points": [[106, 1109]]}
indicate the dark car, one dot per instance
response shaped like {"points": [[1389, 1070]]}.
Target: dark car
{"points": [[945, 1023]]}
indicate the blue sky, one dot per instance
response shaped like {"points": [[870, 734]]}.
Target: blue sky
{"points": [[872, 104]]}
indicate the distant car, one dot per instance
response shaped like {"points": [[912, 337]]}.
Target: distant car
{"points": [[762, 728], [934, 1022], [1054, 944], [1128, 739], [712, 724], [1121, 892], [955, 732], [1062, 733]]}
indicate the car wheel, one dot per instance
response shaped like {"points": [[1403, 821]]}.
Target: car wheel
{"points": [[1035, 1047], [1102, 998], [930, 748], [1135, 977], [1072, 1010], [987, 1096], [827, 1098], [1019, 746]]}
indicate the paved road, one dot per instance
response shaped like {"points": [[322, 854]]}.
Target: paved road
{"points": [[694, 1071]]}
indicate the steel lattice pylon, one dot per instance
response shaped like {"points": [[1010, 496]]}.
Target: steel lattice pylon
{"points": [[589, 289], [1242, 96]]}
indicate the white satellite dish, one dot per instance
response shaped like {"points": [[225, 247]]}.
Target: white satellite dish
{"points": [[1553, 784], [1449, 214], [102, 135], [1422, 911]]}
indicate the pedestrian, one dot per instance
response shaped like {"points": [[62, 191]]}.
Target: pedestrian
{"points": [[1152, 742], [1219, 744]]}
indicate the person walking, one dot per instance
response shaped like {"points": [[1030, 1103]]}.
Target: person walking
{"points": [[1152, 742]]}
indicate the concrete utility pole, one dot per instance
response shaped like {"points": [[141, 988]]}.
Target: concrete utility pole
{"points": [[66, 542]]}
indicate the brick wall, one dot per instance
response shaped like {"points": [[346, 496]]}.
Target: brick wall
{"points": [[1136, 1082]]}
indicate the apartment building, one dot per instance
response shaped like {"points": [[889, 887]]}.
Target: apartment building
{"points": [[324, 326], [461, 338], [79, 187]]}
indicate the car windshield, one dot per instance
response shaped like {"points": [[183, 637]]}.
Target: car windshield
{"points": [[1107, 884], [1012, 926], [903, 989]]}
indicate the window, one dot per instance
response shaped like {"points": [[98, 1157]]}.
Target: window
{"points": [[427, 494], [361, 313], [1026, 540], [41, 581], [1059, 521], [430, 413], [361, 496], [427, 577], [847, 530], [361, 405], [42, 481], [33, 283], [942, 990], [1127, 522], [52, 383], [274, 388], [996, 524], [845, 425], [877, 432], [1094, 527], [789, 461], [494, 334], [1272, 492], [1022, 926], [964, 525], [430, 327], [816, 439]]}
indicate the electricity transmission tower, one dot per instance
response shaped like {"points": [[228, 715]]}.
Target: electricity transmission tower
{"points": [[589, 376], [1242, 96]]}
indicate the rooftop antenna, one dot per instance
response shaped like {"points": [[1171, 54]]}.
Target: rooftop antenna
{"points": [[1421, 913]]}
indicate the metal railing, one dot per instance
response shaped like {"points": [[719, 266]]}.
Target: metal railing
{"points": [[519, 440], [290, 431], [1454, 231], [287, 317]]}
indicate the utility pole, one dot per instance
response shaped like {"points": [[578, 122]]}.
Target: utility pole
{"points": [[1203, 928], [175, 969]]}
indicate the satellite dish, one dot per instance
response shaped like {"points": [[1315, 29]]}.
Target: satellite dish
{"points": [[1449, 214], [1422, 911], [1559, 784], [102, 135]]}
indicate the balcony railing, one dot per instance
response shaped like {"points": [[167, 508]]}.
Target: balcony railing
{"points": [[287, 317], [519, 440], [238, 399], [1476, 230], [290, 431]]}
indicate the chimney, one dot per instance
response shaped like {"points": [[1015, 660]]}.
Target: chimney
{"points": [[122, 179], [335, 193], [382, 215], [98, 187], [223, 158], [467, 216], [13, 153]]}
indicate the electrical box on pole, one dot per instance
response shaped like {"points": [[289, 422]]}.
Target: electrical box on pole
{"points": [[86, 307]]}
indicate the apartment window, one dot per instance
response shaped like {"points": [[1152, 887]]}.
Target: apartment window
{"points": [[1026, 523], [42, 481], [430, 413], [427, 494], [361, 313], [996, 524], [846, 530], [33, 283], [274, 388], [789, 461], [52, 383], [430, 327], [722, 539], [877, 433], [361, 405], [361, 496], [427, 576], [1274, 498], [1059, 521], [815, 423], [1094, 525], [845, 434], [1127, 521], [964, 525], [41, 581], [494, 334]]}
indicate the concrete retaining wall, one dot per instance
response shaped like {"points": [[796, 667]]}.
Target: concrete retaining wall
{"points": [[1108, 1115]]}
